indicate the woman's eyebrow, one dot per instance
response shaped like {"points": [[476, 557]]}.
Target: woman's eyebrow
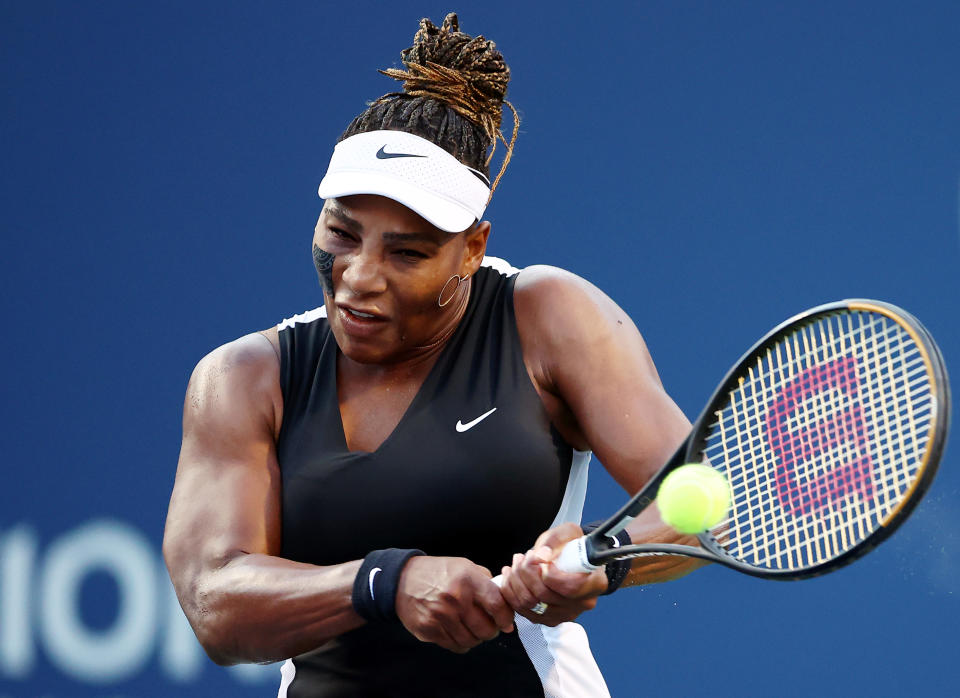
{"points": [[418, 236], [339, 212]]}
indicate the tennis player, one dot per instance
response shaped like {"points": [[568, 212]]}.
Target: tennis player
{"points": [[350, 479]]}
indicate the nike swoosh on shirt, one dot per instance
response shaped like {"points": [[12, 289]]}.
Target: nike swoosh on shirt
{"points": [[461, 427], [373, 573], [383, 155]]}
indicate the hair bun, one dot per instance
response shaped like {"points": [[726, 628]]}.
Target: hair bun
{"points": [[449, 73], [466, 72]]}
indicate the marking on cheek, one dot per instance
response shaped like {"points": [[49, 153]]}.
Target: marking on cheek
{"points": [[323, 261]]}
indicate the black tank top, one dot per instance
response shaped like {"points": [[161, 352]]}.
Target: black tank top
{"points": [[473, 469]]}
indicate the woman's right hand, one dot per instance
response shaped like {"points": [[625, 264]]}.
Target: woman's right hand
{"points": [[451, 602]]}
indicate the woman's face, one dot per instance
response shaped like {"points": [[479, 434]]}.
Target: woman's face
{"points": [[382, 268]]}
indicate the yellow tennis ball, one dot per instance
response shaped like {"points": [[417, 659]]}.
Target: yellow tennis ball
{"points": [[693, 498]]}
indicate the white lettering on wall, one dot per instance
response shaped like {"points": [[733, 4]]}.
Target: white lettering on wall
{"points": [[18, 550], [40, 608], [121, 650]]}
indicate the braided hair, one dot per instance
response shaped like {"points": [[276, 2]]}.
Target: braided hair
{"points": [[454, 89]]}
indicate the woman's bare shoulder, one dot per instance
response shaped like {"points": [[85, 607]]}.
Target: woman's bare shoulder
{"points": [[246, 356], [243, 373], [558, 306]]}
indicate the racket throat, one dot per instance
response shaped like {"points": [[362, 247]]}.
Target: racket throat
{"points": [[619, 526]]}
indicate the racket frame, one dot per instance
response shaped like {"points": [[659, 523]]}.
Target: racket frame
{"points": [[596, 548]]}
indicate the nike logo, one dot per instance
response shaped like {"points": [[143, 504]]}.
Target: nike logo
{"points": [[384, 155], [461, 427], [373, 573]]}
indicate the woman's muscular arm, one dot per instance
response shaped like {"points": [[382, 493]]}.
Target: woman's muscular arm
{"points": [[222, 538], [601, 389], [222, 535]]}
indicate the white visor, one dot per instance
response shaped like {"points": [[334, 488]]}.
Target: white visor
{"points": [[411, 170]]}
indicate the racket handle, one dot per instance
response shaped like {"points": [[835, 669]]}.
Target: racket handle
{"points": [[573, 557]]}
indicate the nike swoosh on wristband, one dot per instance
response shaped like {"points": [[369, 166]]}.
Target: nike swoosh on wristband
{"points": [[383, 155], [373, 573], [461, 427]]}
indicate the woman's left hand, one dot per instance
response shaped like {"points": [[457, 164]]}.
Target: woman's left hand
{"points": [[534, 579]]}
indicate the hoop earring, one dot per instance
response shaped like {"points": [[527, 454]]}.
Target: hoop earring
{"points": [[460, 279]]}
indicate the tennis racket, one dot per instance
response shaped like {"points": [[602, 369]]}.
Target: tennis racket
{"points": [[828, 431]]}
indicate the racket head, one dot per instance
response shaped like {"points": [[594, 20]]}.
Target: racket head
{"points": [[829, 431]]}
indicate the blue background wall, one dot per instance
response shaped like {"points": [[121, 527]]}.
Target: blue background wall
{"points": [[715, 167]]}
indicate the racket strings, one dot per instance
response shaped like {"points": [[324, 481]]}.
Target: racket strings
{"points": [[748, 503], [830, 545], [821, 439], [746, 448], [751, 504], [808, 419]]}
